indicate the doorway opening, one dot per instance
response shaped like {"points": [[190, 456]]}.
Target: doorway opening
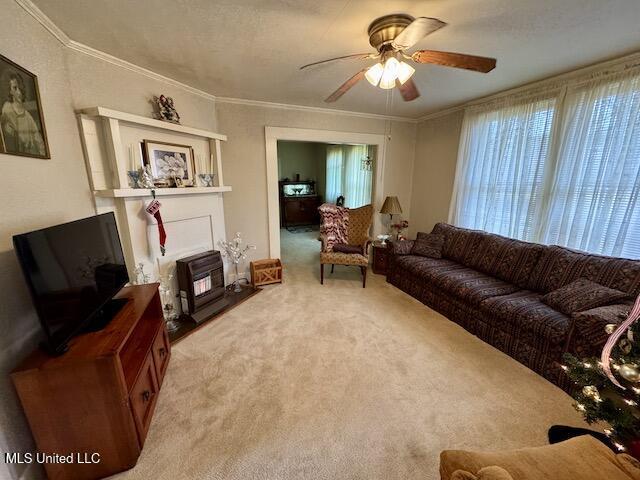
{"points": [[313, 173], [273, 135]]}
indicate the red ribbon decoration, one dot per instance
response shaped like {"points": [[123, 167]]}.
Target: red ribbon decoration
{"points": [[634, 315], [154, 209]]}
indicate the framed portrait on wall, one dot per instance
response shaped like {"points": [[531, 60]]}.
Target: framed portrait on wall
{"points": [[169, 160], [22, 130]]}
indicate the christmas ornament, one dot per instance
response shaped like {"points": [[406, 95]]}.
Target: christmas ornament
{"points": [[592, 392], [625, 346], [613, 339], [630, 372]]}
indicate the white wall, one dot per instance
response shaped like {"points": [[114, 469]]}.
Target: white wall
{"points": [[38, 193], [434, 170], [34, 193], [244, 161]]}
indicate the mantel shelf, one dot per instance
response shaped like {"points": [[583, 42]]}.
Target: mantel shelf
{"points": [[150, 122], [145, 192]]}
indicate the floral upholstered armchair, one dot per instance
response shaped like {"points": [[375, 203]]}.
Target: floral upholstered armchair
{"points": [[344, 235]]}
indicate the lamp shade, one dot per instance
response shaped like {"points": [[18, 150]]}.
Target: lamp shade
{"points": [[391, 206]]}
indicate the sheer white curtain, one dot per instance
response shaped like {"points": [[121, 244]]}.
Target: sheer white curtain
{"points": [[357, 177], [349, 175], [333, 188], [594, 197], [501, 161], [564, 169]]}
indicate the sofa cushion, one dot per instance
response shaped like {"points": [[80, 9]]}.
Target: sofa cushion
{"points": [[428, 245], [508, 259], [460, 244], [469, 284], [527, 318], [422, 266], [559, 266], [582, 294]]}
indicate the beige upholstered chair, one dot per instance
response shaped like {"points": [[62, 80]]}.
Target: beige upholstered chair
{"points": [[339, 224], [579, 458]]}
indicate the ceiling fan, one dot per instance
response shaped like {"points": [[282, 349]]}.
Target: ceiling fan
{"points": [[391, 36]]}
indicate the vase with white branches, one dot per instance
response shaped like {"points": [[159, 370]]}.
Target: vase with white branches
{"points": [[235, 251]]}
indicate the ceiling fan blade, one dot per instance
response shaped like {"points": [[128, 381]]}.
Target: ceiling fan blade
{"points": [[457, 60], [355, 55], [346, 86], [416, 31], [408, 90]]}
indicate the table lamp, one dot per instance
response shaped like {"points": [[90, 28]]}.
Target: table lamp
{"points": [[391, 206]]}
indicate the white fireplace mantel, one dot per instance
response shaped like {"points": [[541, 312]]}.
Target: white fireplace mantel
{"points": [[193, 217]]}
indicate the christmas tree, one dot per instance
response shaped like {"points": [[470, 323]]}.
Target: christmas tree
{"points": [[608, 388]]}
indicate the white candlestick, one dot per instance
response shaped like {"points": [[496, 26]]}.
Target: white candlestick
{"points": [[132, 161]]}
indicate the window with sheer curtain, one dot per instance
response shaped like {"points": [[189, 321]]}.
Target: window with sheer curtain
{"points": [[558, 170], [349, 174]]}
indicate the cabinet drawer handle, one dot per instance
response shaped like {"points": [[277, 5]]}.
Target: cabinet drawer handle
{"points": [[146, 395]]}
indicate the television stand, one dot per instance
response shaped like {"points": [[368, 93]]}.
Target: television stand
{"points": [[102, 317], [99, 396]]}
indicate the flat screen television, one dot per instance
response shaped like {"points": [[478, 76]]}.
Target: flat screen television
{"points": [[73, 271]]}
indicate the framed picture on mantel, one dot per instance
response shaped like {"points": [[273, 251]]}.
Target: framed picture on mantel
{"points": [[22, 130], [169, 160]]}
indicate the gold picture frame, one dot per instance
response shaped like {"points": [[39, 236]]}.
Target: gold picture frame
{"points": [[169, 160]]}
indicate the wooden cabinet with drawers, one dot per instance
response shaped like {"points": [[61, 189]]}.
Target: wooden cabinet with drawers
{"points": [[100, 396]]}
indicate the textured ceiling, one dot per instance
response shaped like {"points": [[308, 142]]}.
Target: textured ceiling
{"points": [[252, 49]]}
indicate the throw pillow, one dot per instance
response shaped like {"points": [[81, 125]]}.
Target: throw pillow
{"points": [[344, 248], [428, 245], [581, 295]]}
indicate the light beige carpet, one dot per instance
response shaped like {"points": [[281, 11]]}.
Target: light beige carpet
{"points": [[336, 382]]}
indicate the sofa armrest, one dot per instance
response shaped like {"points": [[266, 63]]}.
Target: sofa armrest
{"points": [[588, 334], [402, 247]]}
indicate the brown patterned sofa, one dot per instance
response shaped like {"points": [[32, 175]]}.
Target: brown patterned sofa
{"points": [[493, 285]]}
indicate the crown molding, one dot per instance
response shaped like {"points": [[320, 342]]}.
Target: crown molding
{"points": [[578, 75], [132, 67], [45, 21], [304, 108], [66, 41]]}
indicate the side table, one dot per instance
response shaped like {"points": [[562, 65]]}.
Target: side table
{"points": [[380, 258]]}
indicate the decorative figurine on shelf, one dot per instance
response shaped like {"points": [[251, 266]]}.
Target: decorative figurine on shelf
{"points": [[166, 110], [134, 178], [399, 228], [235, 251], [145, 179], [206, 179]]}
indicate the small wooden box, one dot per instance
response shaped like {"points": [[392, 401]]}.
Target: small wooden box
{"points": [[265, 272]]}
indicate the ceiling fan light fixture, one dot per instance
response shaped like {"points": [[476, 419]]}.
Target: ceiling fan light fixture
{"points": [[374, 74], [405, 71], [389, 74]]}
